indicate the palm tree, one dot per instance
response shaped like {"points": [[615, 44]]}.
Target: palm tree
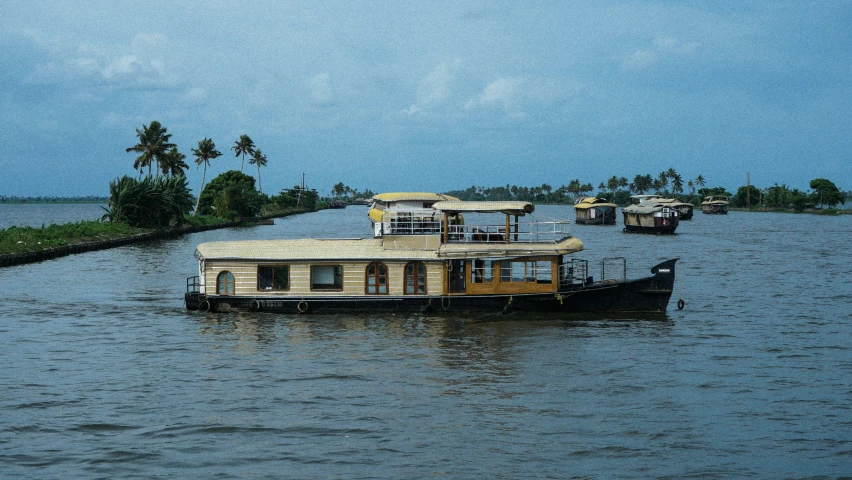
{"points": [[173, 163], [259, 159], [152, 147], [691, 187], [663, 178], [700, 181], [612, 184], [205, 152], [243, 146]]}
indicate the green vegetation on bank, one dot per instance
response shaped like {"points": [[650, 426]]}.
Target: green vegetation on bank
{"points": [[27, 239]]}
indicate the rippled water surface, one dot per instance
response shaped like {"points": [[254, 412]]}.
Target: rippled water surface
{"points": [[103, 374], [36, 215]]}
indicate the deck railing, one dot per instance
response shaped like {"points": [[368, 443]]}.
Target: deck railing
{"points": [[521, 232], [193, 284], [431, 222]]}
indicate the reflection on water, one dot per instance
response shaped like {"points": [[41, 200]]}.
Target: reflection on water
{"points": [[104, 374]]}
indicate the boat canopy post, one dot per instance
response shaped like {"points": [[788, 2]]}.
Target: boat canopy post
{"points": [[508, 227]]}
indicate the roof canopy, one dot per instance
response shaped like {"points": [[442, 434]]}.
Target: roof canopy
{"points": [[591, 202], [509, 208], [412, 196]]}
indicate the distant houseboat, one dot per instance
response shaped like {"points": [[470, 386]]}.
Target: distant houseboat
{"points": [[423, 258], [594, 211], [650, 215], [684, 209], [715, 204]]}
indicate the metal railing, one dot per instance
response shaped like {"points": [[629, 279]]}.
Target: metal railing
{"points": [[614, 269], [574, 272], [521, 232], [193, 284]]}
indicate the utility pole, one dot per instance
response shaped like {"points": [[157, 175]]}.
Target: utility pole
{"points": [[299, 198], [748, 190]]}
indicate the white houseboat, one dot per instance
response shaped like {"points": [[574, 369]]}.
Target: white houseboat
{"points": [[424, 257]]}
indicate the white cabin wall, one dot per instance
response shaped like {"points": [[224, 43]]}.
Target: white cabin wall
{"points": [[354, 275]]}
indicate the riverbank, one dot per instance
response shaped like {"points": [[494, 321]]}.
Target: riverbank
{"points": [[20, 246], [812, 211]]}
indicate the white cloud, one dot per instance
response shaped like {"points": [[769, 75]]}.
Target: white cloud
{"points": [[139, 63], [195, 95], [503, 92], [639, 60], [662, 48], [435, 87], [320, 89]]}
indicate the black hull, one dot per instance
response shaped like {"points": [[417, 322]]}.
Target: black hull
{"points": [[666, 230], [648, 295], [595, 221]]}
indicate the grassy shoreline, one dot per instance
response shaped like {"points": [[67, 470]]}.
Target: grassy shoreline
{"points": [[20, 240]]}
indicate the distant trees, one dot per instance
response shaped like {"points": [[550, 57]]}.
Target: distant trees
{"points": [[826, 192], [748, 195], [229, 195]]}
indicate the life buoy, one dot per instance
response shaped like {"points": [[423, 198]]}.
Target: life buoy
{"points": [[254, 305], [302, 307], [204, 306], [680, 304]]}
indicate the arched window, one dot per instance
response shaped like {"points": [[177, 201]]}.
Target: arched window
{"points": [[225, 283], [415, 278], [377, 279]]}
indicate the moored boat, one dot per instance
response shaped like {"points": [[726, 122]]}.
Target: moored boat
{"points": [[436, 264], [594, 211], [715, 204], [651, 214]]}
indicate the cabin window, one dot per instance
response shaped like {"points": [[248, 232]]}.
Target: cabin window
{"points": [[531, 271], [273, 277], [377, 279], [326, 277], [483, 271], [415, 278], [225, 283]]}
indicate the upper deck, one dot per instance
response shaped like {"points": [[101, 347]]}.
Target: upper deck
{"points": [[450, 220]]}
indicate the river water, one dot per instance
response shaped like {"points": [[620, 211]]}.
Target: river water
{"points": [[103, 374]]}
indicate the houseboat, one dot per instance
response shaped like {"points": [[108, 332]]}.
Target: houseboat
{"points": [[594, 211], [650, 214], [684, 209], [424, 257], [715, 204]]}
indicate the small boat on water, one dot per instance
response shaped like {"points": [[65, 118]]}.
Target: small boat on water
{"points": [[650, 214], [594, 211], [715, 204], [424, 258]]}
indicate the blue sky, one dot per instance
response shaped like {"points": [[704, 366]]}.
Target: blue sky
{"points": [[431, 96]]}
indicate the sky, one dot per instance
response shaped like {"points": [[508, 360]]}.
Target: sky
{"points": [[429, 96]]}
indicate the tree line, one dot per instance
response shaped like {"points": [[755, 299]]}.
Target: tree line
{"points": [[615, 189], [668, 183]]}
